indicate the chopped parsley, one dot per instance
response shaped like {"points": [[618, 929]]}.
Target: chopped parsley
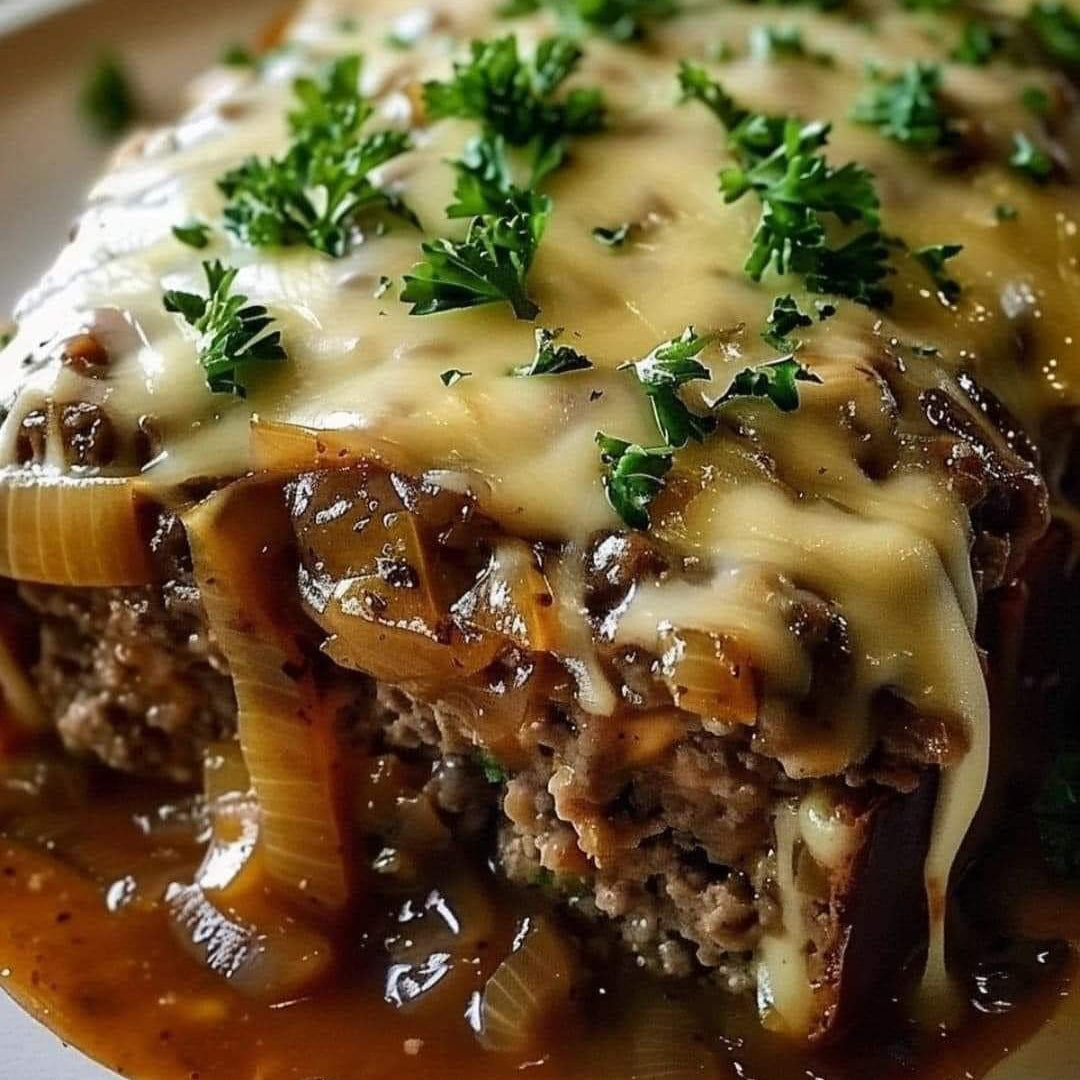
{"points": [[662, 373], [552, 358], [785, 318], [195, 234], [484, 185], [453, 375], [234, 336], [623, 20], [777, 381], [517, 99], [1035, 99], [493, 772], [1029, 159], [908, 108], [779, 159], [107, 100], [978, 43], [1056, 27], [634, 477], [237, 55], [613, 238], [934, 258], [318, 192], [490, 265], [1006, 212], [783, 43]]}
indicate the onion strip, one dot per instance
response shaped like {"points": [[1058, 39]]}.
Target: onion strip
{"points": [[239, 540], [60, 530]]}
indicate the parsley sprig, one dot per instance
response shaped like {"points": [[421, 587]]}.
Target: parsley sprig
{"points": [[551, 358], [234, 336], [779, 158], [662, 374], [622, 20], [519, 99], [1056, 28], [777, 381], [492, 262], [634, 474], [934, 258], [908, 107], [785, 318], [319, 191]]}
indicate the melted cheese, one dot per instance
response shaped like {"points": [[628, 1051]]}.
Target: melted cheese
{"points": [[776, 502]]}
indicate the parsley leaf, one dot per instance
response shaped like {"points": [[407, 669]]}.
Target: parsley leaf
{"points": [[1006, 212], [934, 258], [1035, 99], [634, 477], [517, 99], [488, 266], [667, 368], [978, 43], [623, 20], [779, 159], [553, 359], [908, 108], [195, 234], [319, 191], [1056, 27], [783, 43], [493, 772], [484, 184], [777, 381], [785, 318], [233, 334], [237, 55], [107, 99], [1029, 159]]}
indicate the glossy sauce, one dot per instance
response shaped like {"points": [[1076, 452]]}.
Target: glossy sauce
{"points": [[86, 945]]}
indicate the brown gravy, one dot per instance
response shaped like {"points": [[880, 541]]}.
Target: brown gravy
{"points": [[86, 946]]}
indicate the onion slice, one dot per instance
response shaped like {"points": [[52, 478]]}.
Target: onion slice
{"points": [[274, 957], [240, 544], [529, 989], [290, 449], [60, 530]]}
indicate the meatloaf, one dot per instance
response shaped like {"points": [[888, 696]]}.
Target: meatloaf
{"points": [[439, 405]]}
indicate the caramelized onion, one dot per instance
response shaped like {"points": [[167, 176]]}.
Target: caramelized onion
{"points": [[240, 543], [22, 713], [512, 599], [659, 1040], [529, 989], [377, 575], [711, 676], [290, 449], [234, 813], [275, 959], [55, 530]]}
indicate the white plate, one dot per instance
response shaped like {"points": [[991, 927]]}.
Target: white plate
{"points": [[48, 161]]}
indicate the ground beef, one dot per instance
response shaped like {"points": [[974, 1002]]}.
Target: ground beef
{"points": [[132, 677]]}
